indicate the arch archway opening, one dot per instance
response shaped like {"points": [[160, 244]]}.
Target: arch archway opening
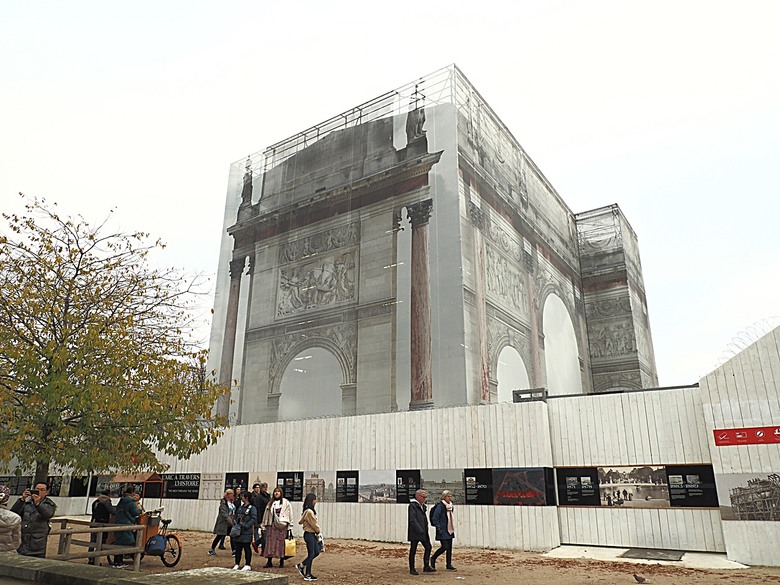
{"points": [[511, 373], [561, 353], [311, 385]]}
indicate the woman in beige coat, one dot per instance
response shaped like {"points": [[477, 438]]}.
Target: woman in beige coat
{"points": [[10, 524], [280, 507], [311, 533]]}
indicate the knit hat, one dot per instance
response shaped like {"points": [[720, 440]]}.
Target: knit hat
{"points": [[5, 493]]}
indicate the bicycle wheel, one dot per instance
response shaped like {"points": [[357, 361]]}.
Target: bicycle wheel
{"points": [[172, 554]]}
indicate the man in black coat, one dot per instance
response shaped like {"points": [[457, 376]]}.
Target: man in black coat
{"points": [[418, 532], [36, 509], [102, 510], [261, 498]]}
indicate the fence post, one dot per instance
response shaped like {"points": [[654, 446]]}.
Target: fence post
{"points": [[139, 536], [61, 545]]}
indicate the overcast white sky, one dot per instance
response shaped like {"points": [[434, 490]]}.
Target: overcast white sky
{"points": [[668, 108]]}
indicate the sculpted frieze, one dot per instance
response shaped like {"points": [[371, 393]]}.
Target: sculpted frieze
{"points": [[611, 339], [608, 307], [505, 281], [313, 285], [605, 382], [342, 236], [503, 240]]}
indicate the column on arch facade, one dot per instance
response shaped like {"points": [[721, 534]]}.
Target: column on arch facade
{"points": [[421, 363], [229, 338]]}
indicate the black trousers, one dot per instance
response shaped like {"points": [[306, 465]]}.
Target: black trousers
{"points": [[445, 546], [246, 548], [426, 555]]}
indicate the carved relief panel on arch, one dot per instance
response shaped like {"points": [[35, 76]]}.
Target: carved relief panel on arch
{"points": [[324, 282], [505, 282]]}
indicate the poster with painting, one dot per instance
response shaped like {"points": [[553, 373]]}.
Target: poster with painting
{"points": [[749, 496], [377, 487], [634, 487], [435, 481], [262, 477], [519, 487], [320, 483]]}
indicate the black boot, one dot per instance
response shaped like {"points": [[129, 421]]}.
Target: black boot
{"points": [[281, 563], [268, 564]]}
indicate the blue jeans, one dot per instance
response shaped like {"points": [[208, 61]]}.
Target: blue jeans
{"points": [[313, 548]]}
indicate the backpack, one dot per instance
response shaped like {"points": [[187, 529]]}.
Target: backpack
{"points": [[155, 546], [433, 509]]}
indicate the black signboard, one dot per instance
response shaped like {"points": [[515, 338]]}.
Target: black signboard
{"points": [[347, 486], [578, 486], [237, 479], [292, 483], [406, 483], [691, 486], [478, 484], [181, 486], [79, 486], [55, 484], [17, 484], [519, 487]]}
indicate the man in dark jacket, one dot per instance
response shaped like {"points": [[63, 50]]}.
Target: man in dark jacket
{"points": [[102, 510], [260, 501], [36, 509], [418, 532]]}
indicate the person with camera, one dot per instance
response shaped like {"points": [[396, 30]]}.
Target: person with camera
{"points": [[36, 509]]}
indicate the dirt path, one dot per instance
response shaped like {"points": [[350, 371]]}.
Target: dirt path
{"points": [[352, 562]]}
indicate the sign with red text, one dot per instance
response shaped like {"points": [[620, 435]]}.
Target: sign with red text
{"points": [[747, 436]]}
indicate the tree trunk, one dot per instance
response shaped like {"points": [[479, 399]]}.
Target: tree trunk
{"points": [[41, 472]]}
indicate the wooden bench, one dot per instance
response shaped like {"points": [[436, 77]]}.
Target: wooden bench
{"points": [[66, 533]]}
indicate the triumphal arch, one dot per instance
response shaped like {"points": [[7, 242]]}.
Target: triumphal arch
{"points": [[408, 254]]}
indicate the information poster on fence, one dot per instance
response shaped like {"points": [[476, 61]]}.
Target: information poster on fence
{"points": [[407, 482], [181, 486], [478, 484]]}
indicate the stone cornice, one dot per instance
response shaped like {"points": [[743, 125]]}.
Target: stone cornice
{"points": [[397, 180]]}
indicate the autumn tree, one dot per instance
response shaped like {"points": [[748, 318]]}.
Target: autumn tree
{"points": [[97, 371]]}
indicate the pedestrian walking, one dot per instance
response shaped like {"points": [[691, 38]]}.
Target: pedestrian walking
{"points": [[223, 522], [443, 520], [246, 520], [311, 532], [417, 532]]}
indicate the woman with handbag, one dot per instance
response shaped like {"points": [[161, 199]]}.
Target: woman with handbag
{"points": [[276, 520], [311, 531], [243, 531], [223, 523]]}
